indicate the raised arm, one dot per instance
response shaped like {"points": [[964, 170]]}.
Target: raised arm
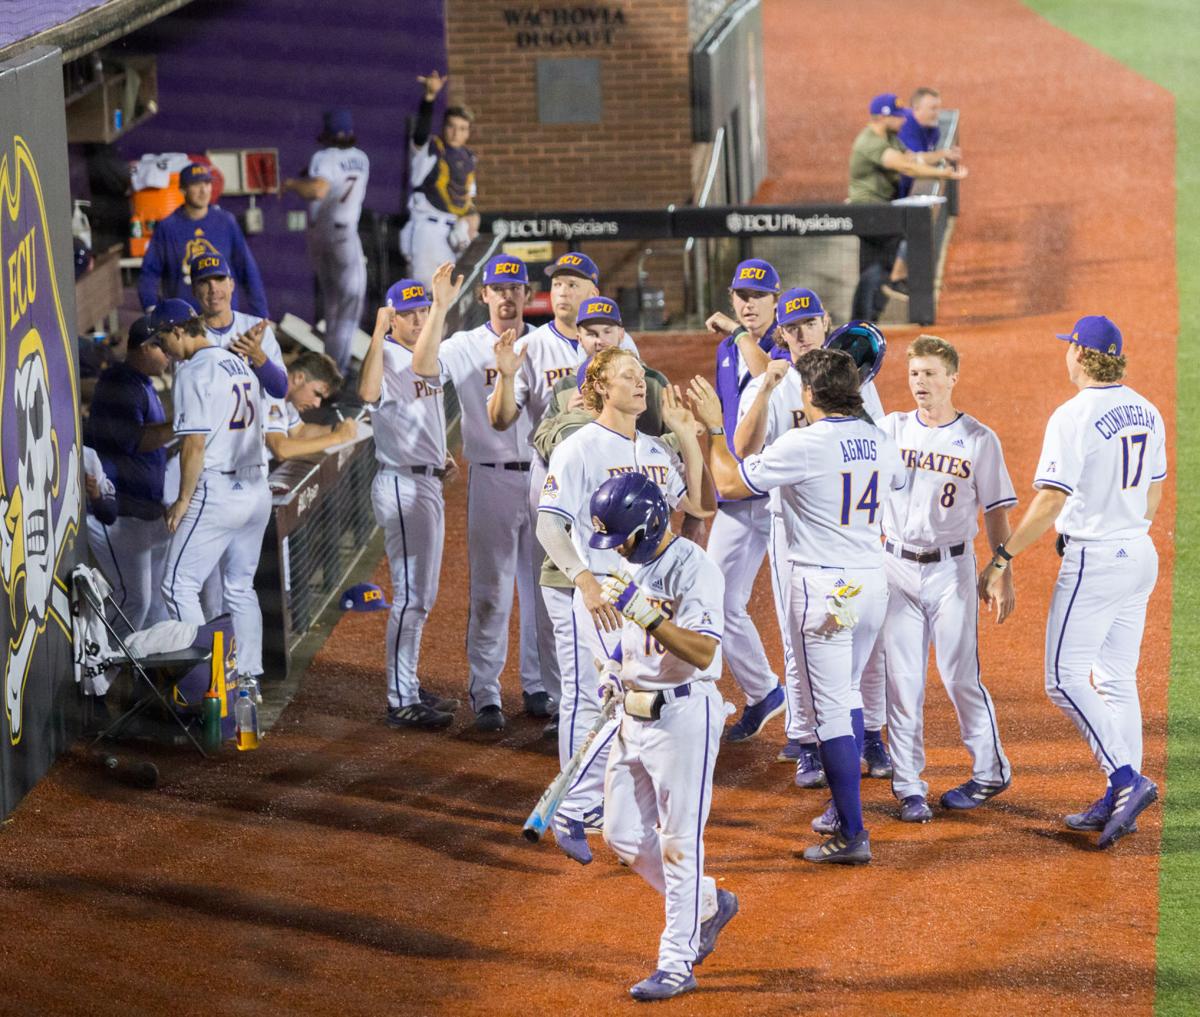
{"points": [[445, 290], [751, 432], [370, 378], [699, 501], [721, 463], [502, 403]]}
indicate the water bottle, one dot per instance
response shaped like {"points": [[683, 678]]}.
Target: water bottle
{"points": [[250, 683], [245, 716], [212, 721]]}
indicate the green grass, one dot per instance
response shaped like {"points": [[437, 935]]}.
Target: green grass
{"points": [[1159, 39]]}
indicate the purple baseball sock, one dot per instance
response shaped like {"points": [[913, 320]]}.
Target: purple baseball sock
{"points": [[856, 722], [840, 758]]}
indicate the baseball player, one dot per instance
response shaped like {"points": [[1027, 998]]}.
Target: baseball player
{"points": [[1099, 481], [772, 404], [500, 543], [658, 785], [213, 290], [312, 379], [128, 427], [833, 475], [442, 220], [335, 187], [955, 470], [224, 502], [615, 388], [529, 369], [741, 530], [195, 228], [401, 385]]}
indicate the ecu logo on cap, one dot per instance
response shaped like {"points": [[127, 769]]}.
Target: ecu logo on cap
{"points": [[1112, 349], [795, 304], [370, 595], [752, 273], [570, 259], [507, 267], [409, 292], [598, 525], [602, 307], [208, 262]]}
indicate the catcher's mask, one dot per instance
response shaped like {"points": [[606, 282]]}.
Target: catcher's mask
{"points": [[629, 505], [865, 344]]}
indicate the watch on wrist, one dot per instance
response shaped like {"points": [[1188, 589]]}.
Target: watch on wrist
{"points": [[1002, 552]]}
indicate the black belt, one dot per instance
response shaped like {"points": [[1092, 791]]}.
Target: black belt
{"points": [[427, 471], [518, 466], [922, 557]]}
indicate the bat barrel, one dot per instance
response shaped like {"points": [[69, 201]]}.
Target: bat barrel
{"points": [[534, 827]]}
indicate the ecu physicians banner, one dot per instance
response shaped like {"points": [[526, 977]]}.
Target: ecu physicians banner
{"points": [[41, 507]]}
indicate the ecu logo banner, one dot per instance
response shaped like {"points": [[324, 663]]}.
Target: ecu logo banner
{"points": [[41, 503]]}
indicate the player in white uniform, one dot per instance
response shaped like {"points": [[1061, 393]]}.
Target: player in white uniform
{"points": [[1099, 481], [955, 470], [658, 786], [500, 542], [615, 387], [313, 378], [401, 385], [833, 476], [740, 532], [335, 188], [224, 502], [529, 368], [771, 405]]}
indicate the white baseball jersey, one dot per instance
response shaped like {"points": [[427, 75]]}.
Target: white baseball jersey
{"points": [[953, 471], [583, 461], [241, 324], [550, 355], [468, 359], [834, 477], [93, 468], [409, 419], [689, 590], [347, 170], [1103, 448], [217, 395], [282, 417]]}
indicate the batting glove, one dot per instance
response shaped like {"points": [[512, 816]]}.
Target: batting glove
{"points": [[621, 591], [610, 679], [839, 604]]}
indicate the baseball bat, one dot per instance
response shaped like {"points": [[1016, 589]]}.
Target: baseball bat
{"points": [[543, 813]]}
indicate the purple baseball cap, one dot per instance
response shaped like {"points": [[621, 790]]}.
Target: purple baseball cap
{"points": [[797, 304], [140, 333], [577, 264], [755, 274], [886, 105], [363, 597], [1095, 332], [204, 266], [503, 270], [599, 309], [407, 295], [194, 173], [338, 121], [169, 313]]}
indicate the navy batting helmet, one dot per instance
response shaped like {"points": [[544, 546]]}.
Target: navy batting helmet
{"points": [[630, 505], [865, 344]]}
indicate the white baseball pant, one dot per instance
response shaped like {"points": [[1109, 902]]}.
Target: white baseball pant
{"points": [[657, 793], [342, 276], [409, 509], [425, 240], [224, 522], [1094, 640], [737, 544], [937, 602], [548, 627], [799, 724], [132, 553], [830, 665], [499, 535]]}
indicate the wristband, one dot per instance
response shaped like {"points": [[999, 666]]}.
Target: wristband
{"points": [[716, 430], [999, 564], [1002, 552], [656, 623]]}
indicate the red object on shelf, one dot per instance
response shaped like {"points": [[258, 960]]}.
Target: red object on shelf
{"points": [[539, 306]]}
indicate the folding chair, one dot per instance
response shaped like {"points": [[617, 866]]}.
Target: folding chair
{"points": [[175, 679]]}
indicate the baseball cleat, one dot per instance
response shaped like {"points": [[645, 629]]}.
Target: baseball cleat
{"points": [[571, 837], [593, 820], [489, 720], [1128, 804], [1094, 816], [914, 809], [420, 716], [876, 759], [841, 850], [809, 772], [663, 985], [538, 704], [971, 794], [754, 718], [790, 751], [438, 703], [551, 729], [727, 907], [829, 821]]}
